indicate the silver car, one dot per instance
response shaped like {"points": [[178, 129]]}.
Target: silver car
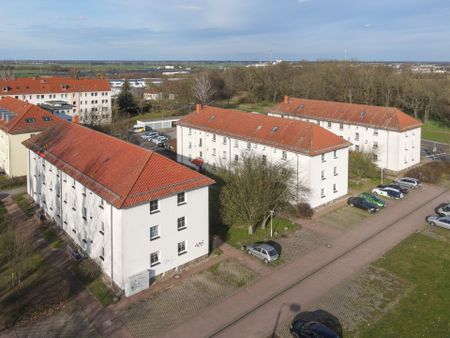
{"points": [[263, 251], [443, 209], [408, 182], [443, 222]]}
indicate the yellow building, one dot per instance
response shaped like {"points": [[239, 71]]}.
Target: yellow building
{"points": [[18, 122]]}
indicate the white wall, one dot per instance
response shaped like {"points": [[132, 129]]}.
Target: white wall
{"points": [[394, 150], [308, 169], [123, 233]]}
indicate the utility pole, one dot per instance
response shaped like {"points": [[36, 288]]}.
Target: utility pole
{"points": [[271, 227]]}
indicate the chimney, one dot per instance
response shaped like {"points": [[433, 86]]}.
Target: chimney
{"points": [[286, 99], [75, 119], [198, 107]]}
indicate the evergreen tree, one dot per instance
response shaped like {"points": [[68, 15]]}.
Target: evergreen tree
{"points": [[125, 100]]}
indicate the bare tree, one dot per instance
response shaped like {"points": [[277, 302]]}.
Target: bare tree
{"points": [[203, 89], [7, 72]]}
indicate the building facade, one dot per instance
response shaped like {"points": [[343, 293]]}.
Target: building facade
{"points": [[136, 213], [18, 122], [90, 98], [392, 136], [222, 137]]}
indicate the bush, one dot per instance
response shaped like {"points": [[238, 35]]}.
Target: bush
{"points": [[360, 165], [430, 172], [304, 210]]}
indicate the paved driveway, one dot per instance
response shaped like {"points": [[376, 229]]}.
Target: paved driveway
{"points": [[256, 310]]}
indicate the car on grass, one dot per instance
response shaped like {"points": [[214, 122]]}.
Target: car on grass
{"points": [[362, 203], [371, 198], [263, 251], [387, 192], [408, 182], [443, 222], [443, 209], [302, 329]]}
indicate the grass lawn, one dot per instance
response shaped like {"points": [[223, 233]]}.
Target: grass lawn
{"points": [[434, 131], [90, 275], [52, 237], [24, 203], [238, 235], [344, 217], [260, 107], [425, 311], [8, 183]]}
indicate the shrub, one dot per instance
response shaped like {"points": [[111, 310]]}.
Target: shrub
{"points": [[360, 165], [430, 172], [304, 210]]}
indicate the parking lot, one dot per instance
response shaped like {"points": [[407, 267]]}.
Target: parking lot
{"points": [[162, 148], [435, 150]]}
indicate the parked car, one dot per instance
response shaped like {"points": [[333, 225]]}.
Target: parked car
{"points": [[137, 129], [362, 203], [149, 135], [408, 182], [263, 251], [160, 140], [403, 190], [373, 199], [387, 192], [302, 329], [443, 209], [439, 221]]}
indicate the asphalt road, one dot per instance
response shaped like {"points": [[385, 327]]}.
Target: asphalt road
{"points": [[435, 150]]}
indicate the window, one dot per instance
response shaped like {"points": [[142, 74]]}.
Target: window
{"points": [[375, 157], [322, 193], [236, 143], [264, 159], [102, 204], [154, 232], [375, 132], [30, 120], [102, 228], [200, 142], [236, 158], [357, 147], [323, 158], [335, 172], [284, 155], [214, 151], [73, 184], [335, 154], [181, 248], [84, 213], [224, 155], [154, 206], [102, 253], [249, 145], [334, 188], [154, 258], [189, 145], [84, 191], [190, 132], [181, 223], [214, 138], [46, 118], [375, 145], [200, 154], [329, 124], [322, 175], [356, 136], [181, 198], [224, 140], [341, 126]]}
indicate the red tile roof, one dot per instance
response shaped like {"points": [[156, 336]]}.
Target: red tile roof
{"points": [[294, 135], [371, 116], [25, 117], [43, 85], [121, 173]]}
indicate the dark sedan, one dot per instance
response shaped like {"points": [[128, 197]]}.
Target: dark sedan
{"points": [[403, 190], [362, 203]]}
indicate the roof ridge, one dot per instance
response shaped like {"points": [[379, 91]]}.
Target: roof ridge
{"points": [[137, 178]]}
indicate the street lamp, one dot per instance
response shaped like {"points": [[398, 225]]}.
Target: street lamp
{"points": [[271, 228]]}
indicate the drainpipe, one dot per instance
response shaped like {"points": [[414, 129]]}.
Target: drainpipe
{"points": [[111, 230]]}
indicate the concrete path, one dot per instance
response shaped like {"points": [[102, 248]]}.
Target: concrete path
{"points": [[256, 310]]}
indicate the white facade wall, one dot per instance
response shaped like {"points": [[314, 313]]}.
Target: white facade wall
{"points": [[224, 150], [394, 150], [118, 240], [86, 104]]}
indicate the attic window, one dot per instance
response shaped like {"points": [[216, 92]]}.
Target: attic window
{"points": [[46, 118], [274, 129], [212, 117], [5, 88], [30, 120], [362, 114], [258, 127], [302, 106]]}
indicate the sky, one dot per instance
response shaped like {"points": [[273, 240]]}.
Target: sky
{"points": [[376, 30]]}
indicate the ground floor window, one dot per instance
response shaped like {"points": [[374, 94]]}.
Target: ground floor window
{"points": [[154, 258], [181, 248]]}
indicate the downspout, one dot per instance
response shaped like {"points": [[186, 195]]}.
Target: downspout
{"points": [[111, 230], [61, 199], [297, 182], [387, 149]]}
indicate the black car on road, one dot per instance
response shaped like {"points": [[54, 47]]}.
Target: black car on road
{"points": [[362, 203]]}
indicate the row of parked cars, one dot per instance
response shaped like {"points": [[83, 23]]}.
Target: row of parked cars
{"points": [[372, 202], [154, 137], [442, 217]]}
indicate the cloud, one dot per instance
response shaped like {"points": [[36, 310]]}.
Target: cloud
{"points": [[368, 25], [189, 7]]}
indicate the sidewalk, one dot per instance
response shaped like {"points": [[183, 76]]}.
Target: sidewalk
{"points": [[306, 279]]}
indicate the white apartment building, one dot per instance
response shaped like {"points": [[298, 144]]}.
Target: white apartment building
{"points": [[90, 98], [19, 121], [221, 137], [136, 213], [116, 85], [391, 135]]}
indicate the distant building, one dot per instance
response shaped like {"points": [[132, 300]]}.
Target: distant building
{"points": [[116, 85], [391, 135], [18, 122], [136, 213], [215, 137], [90, 98], [152, 95]]}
